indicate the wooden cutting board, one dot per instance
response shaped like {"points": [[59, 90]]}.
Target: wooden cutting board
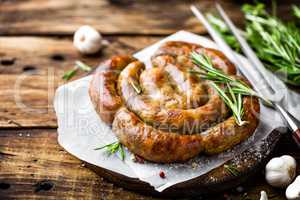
{"points": [[219, 179]]}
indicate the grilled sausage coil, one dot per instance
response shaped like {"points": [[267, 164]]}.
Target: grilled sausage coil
{"points": [[163, 112]]}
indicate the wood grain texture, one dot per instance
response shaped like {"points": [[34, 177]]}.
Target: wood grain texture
{"points": [[31, 69], [56, 17], [29, 157]]}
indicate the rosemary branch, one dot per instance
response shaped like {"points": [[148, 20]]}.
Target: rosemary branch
{"points": [[78, 65], [84, 67], [275, 42], [113, 148], [69, 74], [233, 101], [235, 89], [232, 170]]}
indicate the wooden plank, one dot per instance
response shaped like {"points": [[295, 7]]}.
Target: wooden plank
{"points": [[29, 157], [53, 17], [31, 69]]}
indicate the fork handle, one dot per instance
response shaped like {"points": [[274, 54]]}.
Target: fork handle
{"points": [[291, 122], [296, 136]]}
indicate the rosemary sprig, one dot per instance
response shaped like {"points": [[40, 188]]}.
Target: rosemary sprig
{"points": [[235, 88], [78, 65], [275, 42], [208, 72], [69, 74], [82, 66], [113, 148], [232, 170], [233, 101]]}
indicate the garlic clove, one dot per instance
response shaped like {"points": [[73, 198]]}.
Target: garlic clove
{"points": [[87, 40], [293, 190], [280, 171], [263, 195]]}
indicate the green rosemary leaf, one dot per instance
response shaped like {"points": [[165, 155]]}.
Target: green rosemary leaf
{"points": [[205, 63], [108, 146], [113, 148], [232, 170], [231, 93], [78, 65], [82, 66], [233, 102], [296, 11], [69, 74], [136, 86], [122, 152]]}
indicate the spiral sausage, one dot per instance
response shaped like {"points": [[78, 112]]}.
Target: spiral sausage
{"points": [[164, 113], [103, 90]]}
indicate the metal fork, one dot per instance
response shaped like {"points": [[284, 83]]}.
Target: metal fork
{"points": [[266, 89]]}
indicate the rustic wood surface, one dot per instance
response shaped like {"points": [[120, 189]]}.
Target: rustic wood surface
{"points": [[31, 158], [28, 104], [248, 163], [35, 51], [52, 17]]}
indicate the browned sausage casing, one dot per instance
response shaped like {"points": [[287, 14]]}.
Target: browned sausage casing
{"points": [[163, 112], [103, 90]]}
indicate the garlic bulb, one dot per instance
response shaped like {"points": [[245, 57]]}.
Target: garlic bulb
{"points": [[263, 195], [293, 190], [280, 171], [87, 40]]}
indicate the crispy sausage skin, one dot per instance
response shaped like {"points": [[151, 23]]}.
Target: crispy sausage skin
{"points": [[165, 147], [102, 90], [152, 144], [163, 112], [225, 135], [154, 111]]}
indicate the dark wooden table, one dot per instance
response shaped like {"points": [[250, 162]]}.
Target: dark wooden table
{"points": [[35, 51]]}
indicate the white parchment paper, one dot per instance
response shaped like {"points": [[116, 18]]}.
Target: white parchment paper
{"points": [[81, 130]]}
